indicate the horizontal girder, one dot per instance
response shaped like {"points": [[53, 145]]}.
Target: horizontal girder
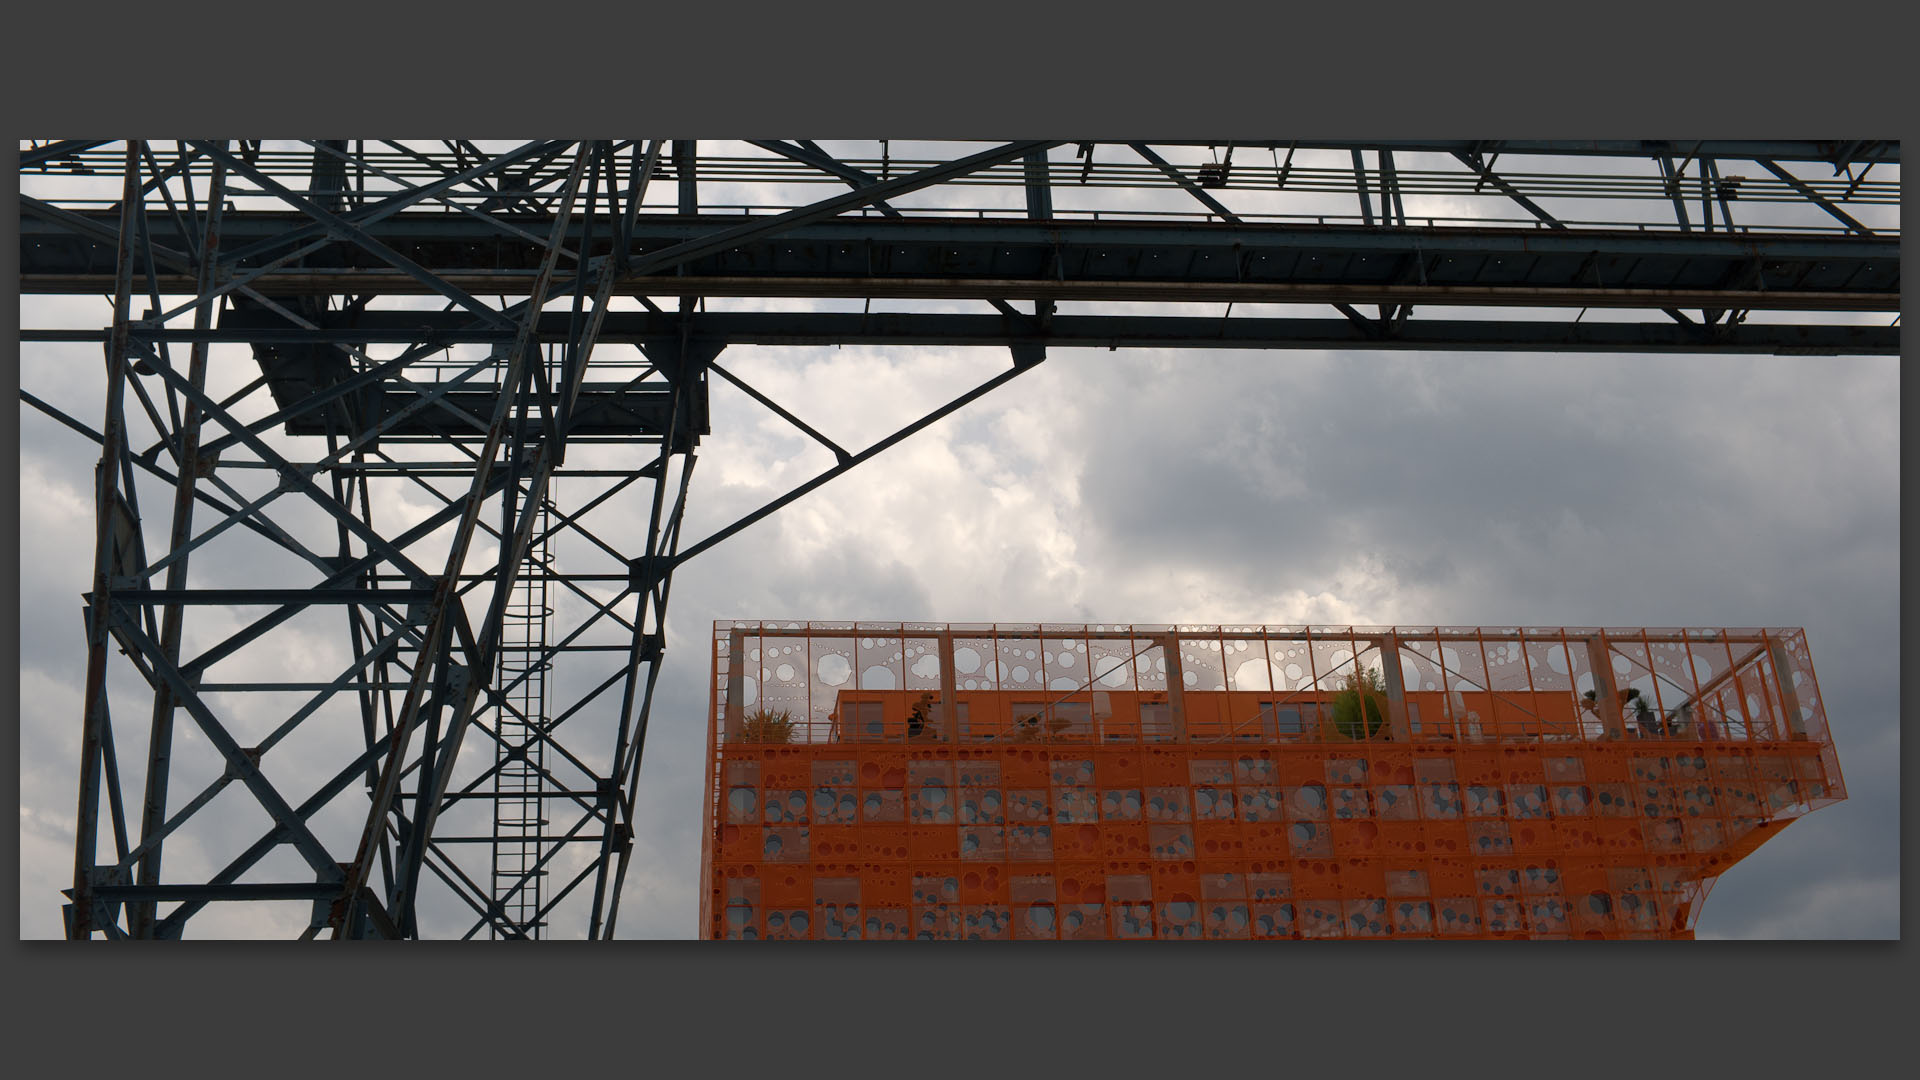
{"points": [[1835, 152], [1088, 331], [1095, 261]]}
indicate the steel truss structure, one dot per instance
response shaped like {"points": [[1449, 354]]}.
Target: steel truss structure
{"points": [[475, 329]]}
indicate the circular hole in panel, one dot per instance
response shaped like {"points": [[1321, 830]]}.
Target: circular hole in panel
{"points": [[833, 669], [1254, 674], [1702, 669]]}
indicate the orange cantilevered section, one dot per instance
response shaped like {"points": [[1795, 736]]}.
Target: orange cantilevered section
{"points": [[1047, 781]]}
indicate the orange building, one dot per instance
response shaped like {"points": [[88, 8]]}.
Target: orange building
{"points": [[931, 781]]}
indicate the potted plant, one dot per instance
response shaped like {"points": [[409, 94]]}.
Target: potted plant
{"points": [[1360, 710], [763, 725], [1635, 702]]}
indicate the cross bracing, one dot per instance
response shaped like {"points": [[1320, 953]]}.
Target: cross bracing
{"points": [[474, 386]]}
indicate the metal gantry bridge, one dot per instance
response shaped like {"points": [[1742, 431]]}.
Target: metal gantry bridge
{"points": [[460, 358]]}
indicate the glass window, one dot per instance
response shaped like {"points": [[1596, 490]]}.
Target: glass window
{"points": [[984, 922], [1120, 804], [1253, 770], [1366, 918], [1072, 719], [982, 806], [784, 844], [1171, 841], [1272, 920], [1210, 771], [1038, 721], [1131, 920], [883, 806], [1406, 883], [1179, 919], [1028, 804], [1260, 804], [862, 721], [1458, 915], [1283, 720], [742, 805], [1440, 801], [1075, 806], [1395, 802], [886, 924], [1030, 843], [1156, 721], [1213, 804], [1351, 804], [1228, 918], [1167, 804], [785, 805]]}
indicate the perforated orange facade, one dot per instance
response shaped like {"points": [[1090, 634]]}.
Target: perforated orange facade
{"points": [[926, 781]]}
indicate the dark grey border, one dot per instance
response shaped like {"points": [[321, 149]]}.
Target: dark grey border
{"points": [[1108, 71]]}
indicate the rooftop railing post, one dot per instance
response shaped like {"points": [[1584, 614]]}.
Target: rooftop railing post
{"points": [[736, 657], [1397, 724], [948, 729], [1176, 687], [1606, 695], [1783, 668]]}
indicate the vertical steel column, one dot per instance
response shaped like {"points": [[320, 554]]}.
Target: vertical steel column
{"points": [[106, 486], [140, 914]]}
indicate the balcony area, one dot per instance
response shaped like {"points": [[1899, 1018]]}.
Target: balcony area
{"points": [[804, 683]]}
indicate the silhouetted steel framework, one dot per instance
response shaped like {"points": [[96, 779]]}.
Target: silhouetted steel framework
{"points": [[313, 255]]}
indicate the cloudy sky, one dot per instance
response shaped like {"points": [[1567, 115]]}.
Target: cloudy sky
{"points": [[1191, 486]]}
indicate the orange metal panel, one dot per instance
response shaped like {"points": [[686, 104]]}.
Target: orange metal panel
{"points": [[933, 843], [1123, 841], [884, 842], [835, 841], [1026, 767], [1118, 767], [1216, 840], [1355, 837]]}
